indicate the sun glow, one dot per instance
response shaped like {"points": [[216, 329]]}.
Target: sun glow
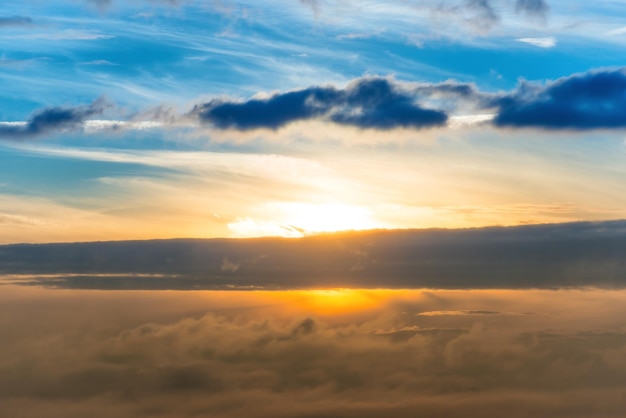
{"points": [[297, 219]]}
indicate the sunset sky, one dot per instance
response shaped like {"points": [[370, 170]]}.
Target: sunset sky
{"points": [[160, 119], [312, 209]]}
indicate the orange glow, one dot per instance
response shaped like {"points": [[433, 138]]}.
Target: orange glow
{"points": [[332, 301]]}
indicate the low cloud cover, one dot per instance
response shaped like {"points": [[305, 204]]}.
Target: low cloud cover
{"points": [[281, 354]]}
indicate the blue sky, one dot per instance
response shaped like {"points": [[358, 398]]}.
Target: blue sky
{"points": [[156, 119]]}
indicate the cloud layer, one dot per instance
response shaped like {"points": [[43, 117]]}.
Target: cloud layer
{"points": [[586, 101]]}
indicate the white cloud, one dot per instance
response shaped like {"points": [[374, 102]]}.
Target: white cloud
{"points": [[92, 126], [462, 121], [547, 42]]}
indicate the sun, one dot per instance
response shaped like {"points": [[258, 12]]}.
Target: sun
{"points": [[331, 217]]}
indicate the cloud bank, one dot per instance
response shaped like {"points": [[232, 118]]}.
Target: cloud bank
{"points": [[540, 256]]}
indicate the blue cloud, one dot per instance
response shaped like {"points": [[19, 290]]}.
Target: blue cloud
{"points": [[373, 103], [594, 100]]}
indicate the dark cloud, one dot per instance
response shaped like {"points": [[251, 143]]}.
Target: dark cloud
{"points": [[53, 119], [542, 256], [532, 8], [594, 100], [374, 103], [482, 15], [15, 21]]}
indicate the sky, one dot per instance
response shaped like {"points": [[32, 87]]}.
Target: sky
{"points": [[312, 208], [162, 119]]}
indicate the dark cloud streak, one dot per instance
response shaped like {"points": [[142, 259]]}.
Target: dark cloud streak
{"points": [[370, 103], [53, 119]]}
